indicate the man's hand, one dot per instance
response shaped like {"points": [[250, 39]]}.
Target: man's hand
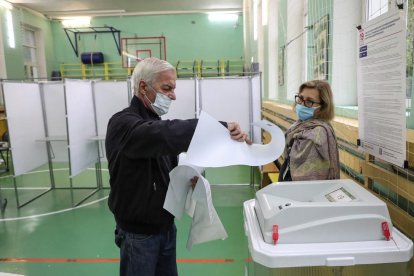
{"points": [[237, 134], [194, 181]]}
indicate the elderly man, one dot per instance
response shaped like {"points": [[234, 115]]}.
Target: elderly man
{"points": [[141, 150]]}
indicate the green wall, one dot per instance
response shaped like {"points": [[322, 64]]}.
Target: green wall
{"points": [[282, 23], [14, 56], [188, 37]]}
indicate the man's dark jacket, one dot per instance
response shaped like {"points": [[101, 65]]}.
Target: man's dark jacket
{"points": [[141, 150]]}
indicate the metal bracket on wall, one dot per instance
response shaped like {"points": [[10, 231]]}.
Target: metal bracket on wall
{"points": [[92, 30]]}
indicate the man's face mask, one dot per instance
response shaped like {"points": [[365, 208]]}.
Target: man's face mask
{"points": [[305, 113], [161, 104]]}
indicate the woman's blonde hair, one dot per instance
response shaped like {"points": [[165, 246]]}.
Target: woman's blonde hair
{"points": [[327, 109]]}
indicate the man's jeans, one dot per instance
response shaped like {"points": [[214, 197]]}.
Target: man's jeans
{"points": [[147, 255]]}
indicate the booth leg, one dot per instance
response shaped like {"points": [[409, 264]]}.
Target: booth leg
{"points": [[3, 203]]}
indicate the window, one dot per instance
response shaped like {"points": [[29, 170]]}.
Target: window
{"points": [[376, 8], [31, 52]]}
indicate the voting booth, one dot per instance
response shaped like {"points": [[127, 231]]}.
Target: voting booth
{"points": [[328, 227], [68, 121]]}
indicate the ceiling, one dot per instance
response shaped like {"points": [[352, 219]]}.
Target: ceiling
{"points": [[69, 8]]}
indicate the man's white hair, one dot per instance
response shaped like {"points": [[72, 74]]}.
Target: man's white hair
{"points": [[148, 70]]}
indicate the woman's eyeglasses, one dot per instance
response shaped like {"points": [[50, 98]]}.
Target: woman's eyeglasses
{"points": [[308, 103]]}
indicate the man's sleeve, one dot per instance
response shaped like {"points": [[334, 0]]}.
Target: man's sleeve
{"points": [[145, 139]]}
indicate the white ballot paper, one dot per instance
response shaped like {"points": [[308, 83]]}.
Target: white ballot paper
{"points": [[198, 204], [212, 146]]}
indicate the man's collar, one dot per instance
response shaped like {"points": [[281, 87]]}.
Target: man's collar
{"points": [[138, 106]]}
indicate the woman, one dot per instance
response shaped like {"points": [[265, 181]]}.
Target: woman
{"points": [[311, 151]]}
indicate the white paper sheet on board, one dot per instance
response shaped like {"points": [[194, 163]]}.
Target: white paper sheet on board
{"points": [[212, 146]]}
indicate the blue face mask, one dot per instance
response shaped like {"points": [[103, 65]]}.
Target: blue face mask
{"points": [[305, 113], [161, 104]]}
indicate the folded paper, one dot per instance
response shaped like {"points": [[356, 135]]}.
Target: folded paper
{"points": [[212, 146]]}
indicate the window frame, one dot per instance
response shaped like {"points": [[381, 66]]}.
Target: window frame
{"points": [[38, 64]]}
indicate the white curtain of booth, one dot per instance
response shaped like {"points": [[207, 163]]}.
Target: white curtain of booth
{"points": [[25, 126], [83, 152], [185, 105], [54, 107], [256, 110], [227, 100], [89, 105], [110, 97]]}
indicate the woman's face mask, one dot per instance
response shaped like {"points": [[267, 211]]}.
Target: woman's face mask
{"points": [[305, 113], [161, 104]]}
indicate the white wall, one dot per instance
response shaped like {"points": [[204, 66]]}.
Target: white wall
{"points": [[272, 54], [246, 31], [260, 37], [294, 49], [347, 15]]}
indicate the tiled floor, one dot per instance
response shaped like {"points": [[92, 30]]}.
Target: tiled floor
{"points": [[49, 237]]}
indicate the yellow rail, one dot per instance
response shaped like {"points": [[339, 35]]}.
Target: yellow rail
{"points": [[184, 68], [107, 71], [210, 68]]}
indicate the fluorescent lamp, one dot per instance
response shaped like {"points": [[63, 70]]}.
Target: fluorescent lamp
{"points": [[255, 15], [6, 4], [265, 12], [229, 17], [97, 11], [86, 12], [83, 13], [10, 29], [76, 22]]}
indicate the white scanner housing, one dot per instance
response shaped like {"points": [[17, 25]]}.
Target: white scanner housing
{"points": [[320, 212]]}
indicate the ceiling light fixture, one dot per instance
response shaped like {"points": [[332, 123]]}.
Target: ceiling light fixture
{"points": [[72, 13], [93, 11], [76, 22], [230, 17]]}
